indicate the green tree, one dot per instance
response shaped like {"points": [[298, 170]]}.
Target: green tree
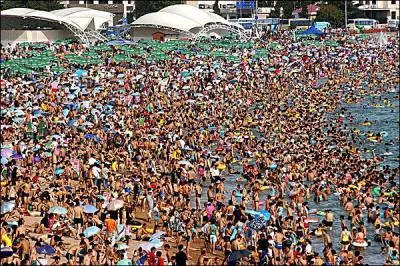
{"points": [[130, 16], [266, 3], [352, 10], [287, 10], [216, 8], [145, 7], [46, 5], [332, 14]]}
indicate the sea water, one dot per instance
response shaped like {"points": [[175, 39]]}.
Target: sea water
{"points": [[383, 119]]}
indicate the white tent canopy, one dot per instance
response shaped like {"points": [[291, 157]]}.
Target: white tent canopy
{"points": [[82, 22], [83, 16], [37, 14], [184, 18]]}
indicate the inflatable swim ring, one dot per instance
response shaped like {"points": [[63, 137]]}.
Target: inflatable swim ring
{"points": [[321, 213], [318, 233], [273, 166], [149, 230], [118, 140], [366, 124], [264, 188], [384, 134], [240, 179], [311, 220], [360, 245], [221, 166], [353, 187]]}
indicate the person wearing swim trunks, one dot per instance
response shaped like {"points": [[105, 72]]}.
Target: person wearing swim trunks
{"points": [[279, 238], [78, 216], [329, 219]]}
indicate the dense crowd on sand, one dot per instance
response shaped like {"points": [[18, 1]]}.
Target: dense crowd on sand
{"points": [[133, 164]]}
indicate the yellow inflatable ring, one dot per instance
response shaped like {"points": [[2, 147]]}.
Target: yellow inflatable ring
{"points": [[149, 230]]}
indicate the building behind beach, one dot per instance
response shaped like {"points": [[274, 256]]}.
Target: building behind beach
{"points": [[380, 10], [118, 7]]}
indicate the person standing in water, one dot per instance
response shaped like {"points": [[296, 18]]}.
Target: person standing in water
{"points": [[345, 239]]}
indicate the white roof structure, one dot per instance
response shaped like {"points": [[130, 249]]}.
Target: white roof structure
{"points": [[85, 16], [167, 20], [192, 13], [36, 14], [187, 19], [82, 22]]}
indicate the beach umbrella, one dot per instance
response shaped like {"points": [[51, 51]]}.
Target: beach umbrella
{"points": [[257, 224], [184, 162], [124, 262], [91, 231], [7, 207], [58, 210], [59, 171], [6, 252], [7, 152], [17, 156], [238, 254], [92, 136], [156, 237], [252, 212], [148, 245], [46, 250], [89, 209], [115, 205], [19, 112], [266, 214], [3, 161]]}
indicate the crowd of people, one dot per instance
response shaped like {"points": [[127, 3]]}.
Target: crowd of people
{"points": [[137, 164]]}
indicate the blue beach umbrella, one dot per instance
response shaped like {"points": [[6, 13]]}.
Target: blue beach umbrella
{"points": [[7, 207], [91, 231], [58, 210], [17, 156], [124, 262], [46, 250], [266, 214], [3, 161], [59, 171], [89, 209]]}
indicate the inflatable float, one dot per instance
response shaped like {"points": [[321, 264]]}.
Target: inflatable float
{"points": [[318, 233], [360, 245], [311, 220], [221, 166]]}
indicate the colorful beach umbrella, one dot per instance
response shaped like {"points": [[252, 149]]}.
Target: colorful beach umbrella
{"points": [[46, 250], [58, 210], [91, 231], [7, 207]]}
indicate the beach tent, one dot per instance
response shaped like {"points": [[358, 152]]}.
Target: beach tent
{"points": [[312, 31]]}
